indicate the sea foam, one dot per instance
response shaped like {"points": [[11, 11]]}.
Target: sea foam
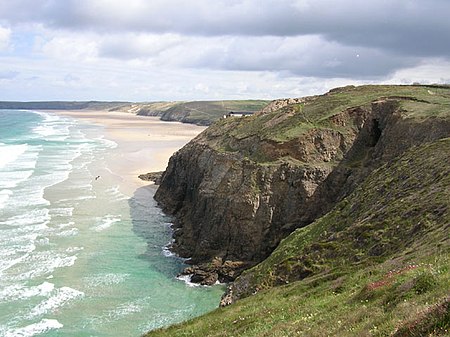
{"points": [[60, 298], [20, 292], [187, 280], [10, 153], [101, 280], [41, 264], [114, 194], [39, 328], [4, 196], [106, 222]]}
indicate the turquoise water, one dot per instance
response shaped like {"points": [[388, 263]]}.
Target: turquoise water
{"points": [[78, 257]]}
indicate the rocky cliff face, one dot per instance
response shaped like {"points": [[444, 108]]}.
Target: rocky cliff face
{"points": [[244, 184]]}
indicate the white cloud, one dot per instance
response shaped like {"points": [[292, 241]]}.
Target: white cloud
{"points": [[433, 71], [75, 47], [5, 37], [136, 45]]}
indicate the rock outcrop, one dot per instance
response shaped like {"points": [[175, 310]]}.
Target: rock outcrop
{"points": [[244, 184], [155, 177]]}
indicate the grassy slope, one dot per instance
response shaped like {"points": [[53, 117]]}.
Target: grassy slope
{"points": [[207, 112], [428, 101], [199, 112], [380, 260], [376, 265]]}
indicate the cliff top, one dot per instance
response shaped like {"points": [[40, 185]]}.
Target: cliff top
{"points": [[287, 119], [377, 265], [377, 262], [195, 112]]}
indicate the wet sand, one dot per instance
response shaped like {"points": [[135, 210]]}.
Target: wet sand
{"points": [[145, 144]]}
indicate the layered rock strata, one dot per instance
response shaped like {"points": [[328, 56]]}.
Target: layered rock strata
{"points": [[243, 185]]}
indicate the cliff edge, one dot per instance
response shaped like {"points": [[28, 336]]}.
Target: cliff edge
{"points": [[353, 189], [244, 184]]}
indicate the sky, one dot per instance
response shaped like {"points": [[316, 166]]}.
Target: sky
{"points": [[152, 50]]}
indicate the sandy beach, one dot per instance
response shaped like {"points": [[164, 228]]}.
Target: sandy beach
{"points": [[145, 144], [83, 242]]}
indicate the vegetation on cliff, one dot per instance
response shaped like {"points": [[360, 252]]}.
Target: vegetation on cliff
{"points": [[374, 258], [330, 112], [246, 183], [195, 112], [378, 264]]}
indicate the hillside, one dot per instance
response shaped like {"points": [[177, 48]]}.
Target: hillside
{"points": [[61, 105], [377, 265], [357, 181], [195, 112]]}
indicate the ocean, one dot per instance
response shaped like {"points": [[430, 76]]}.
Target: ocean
{"points": [[77, 256]]}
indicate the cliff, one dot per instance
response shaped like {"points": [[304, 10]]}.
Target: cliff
{"points": [[361, 177], [246, 183], [195, 112], [376, 265]]}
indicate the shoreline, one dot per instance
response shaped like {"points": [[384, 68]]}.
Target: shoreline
{"points": [[89, 253], [144, 144]]}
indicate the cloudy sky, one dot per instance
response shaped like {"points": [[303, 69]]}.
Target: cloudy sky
{"points": [[146, 50]]}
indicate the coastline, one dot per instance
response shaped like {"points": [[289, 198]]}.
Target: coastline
{"points": [[144, 144], [113, 233]]}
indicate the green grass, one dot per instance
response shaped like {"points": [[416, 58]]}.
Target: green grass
{"points": [[295, 120], [367, 302], [376, 265], [197, 112], [402, 205], [207, 112]]}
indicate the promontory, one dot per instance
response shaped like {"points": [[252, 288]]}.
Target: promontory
{"points": [[326, 215]]}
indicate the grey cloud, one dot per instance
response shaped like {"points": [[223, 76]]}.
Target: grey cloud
{"points": [[406, 26], [300, 56], [387, 35]]}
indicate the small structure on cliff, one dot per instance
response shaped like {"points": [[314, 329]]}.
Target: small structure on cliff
{"points": [[238, 114]]}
